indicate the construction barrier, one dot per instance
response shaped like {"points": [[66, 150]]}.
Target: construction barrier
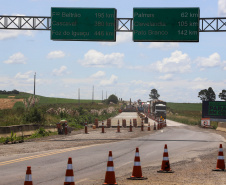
{"points": [[142, 126], [102, 127], [69, 176], [158, 127], [96, 122], [220, 160], [137, 171], [149, 127], [28, 177], [130, 127], [154, 126], [110, 173], [86, 129], [124, 123], [118, 127], [108, 123], [134, 122], [165, 162]]}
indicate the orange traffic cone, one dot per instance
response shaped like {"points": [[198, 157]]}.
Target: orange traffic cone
{"points": [[142, 126], [165, 162], [137, 172], [110, 173], [103, 127], [28, 177], [130, 127], [86, 129], [69, 176], [149, 127], [220, 160], [118, 128]]}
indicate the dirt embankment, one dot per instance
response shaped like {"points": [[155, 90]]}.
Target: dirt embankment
{"points": [[8, 103]]}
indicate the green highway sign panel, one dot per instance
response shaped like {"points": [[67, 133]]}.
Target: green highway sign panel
{"points": [[214, 109], [83, 24], [166, 24]]}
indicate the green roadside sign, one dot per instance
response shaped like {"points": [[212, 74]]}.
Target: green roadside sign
{"points": [[83, 24], [166, 24], [214, 109]]}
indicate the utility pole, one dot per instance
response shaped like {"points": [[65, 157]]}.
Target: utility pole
{"points": [[102, 96], [79, 96], [93, 95], [34, 86], [34, 83]]}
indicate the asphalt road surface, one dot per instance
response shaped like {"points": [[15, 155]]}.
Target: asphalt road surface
{"points": [[89, 162]]}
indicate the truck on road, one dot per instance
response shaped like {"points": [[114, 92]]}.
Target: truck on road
{"points": [[158, 108]]}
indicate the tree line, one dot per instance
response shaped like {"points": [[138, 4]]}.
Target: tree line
{"points": [[204, 95], [209, 95], [9, 92]]}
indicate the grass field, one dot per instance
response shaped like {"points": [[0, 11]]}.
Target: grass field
{"points": [[185, 106], [188, 113], [72, 111], [46, 100]]}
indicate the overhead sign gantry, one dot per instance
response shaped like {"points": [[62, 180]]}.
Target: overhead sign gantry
{"points": [[166, 24], [101, 24], [83, 24]]}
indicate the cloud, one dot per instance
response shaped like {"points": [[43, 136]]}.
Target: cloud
{"points": [[25, 75], [8, 34], [56, 54], [113, 80], [121, 37], [95, 58], [177, 62], [98, 74], [212, 61], [163, 45], [166, 77], [142, 83], [17, 58], [77, 81], [222, 7], [224, 65], [61, 71], [200, 79]]}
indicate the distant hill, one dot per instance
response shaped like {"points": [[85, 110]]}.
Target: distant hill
{"points": [[43, 99]]}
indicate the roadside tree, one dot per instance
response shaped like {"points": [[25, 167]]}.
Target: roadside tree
{"points": [[207, 94], [112, 98], [154, 94], [222, 95]]}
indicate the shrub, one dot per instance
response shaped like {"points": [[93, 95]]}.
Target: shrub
{"points": [[34, 115], [41, 132], [112, 98]]}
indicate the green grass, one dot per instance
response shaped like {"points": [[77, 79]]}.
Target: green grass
{"points": [[19, 115], [46, 100], [41, 132], [187, 113], [17, 96], [185, 106]]}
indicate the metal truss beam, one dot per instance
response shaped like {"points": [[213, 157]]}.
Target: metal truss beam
{"points": [[25, 22], [216, 24]]}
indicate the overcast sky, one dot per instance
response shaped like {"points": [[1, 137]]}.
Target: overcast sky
{"points": [[125, 68]]}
